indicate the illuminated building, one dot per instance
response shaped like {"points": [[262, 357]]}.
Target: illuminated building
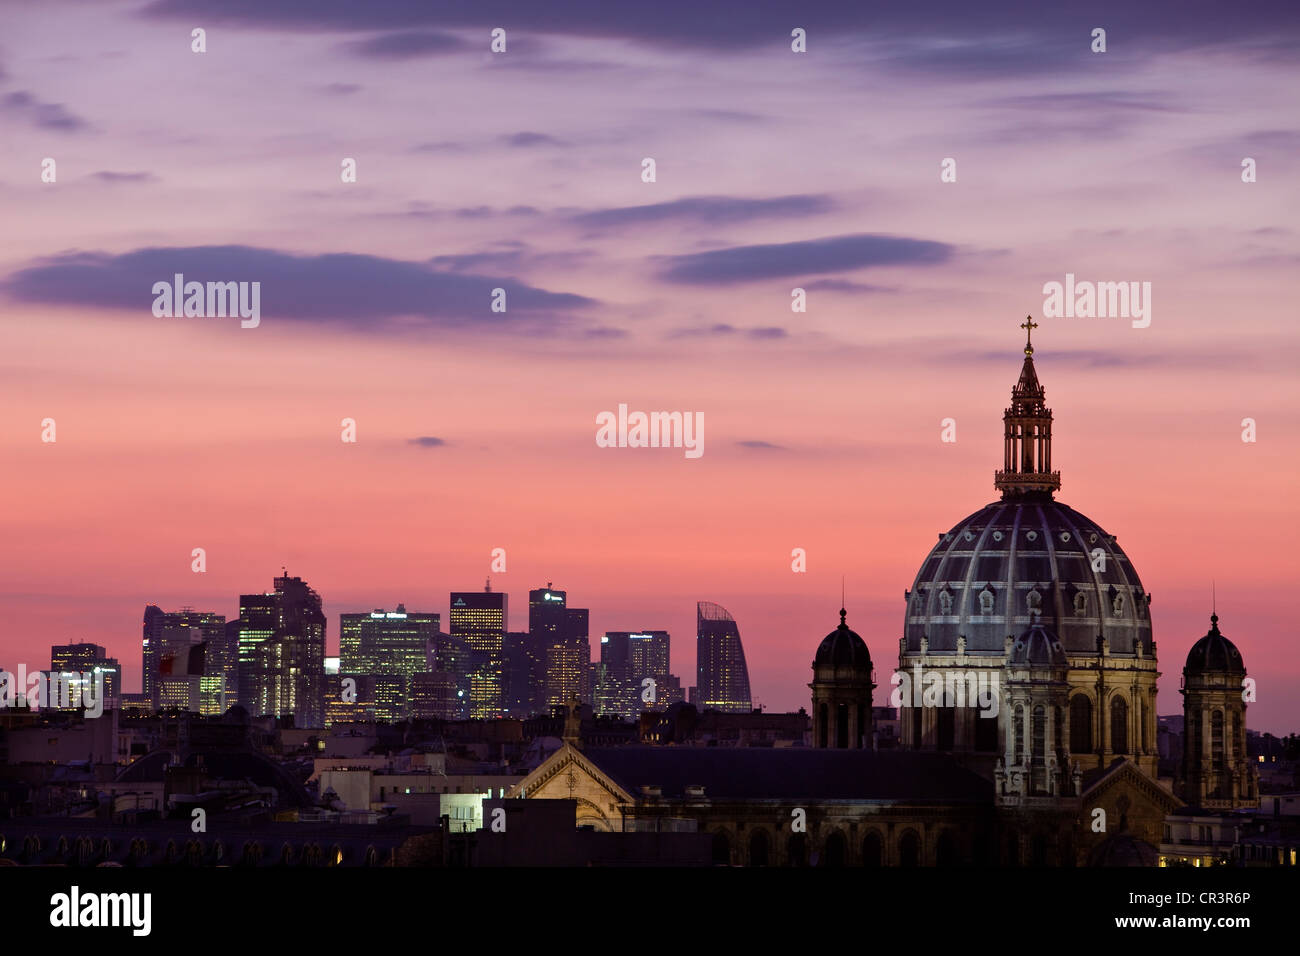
{"points": [[88, 659], [479, 618], [722, 678], [629, 659], [172, 635], [390, 647], [282, 653], [559, 637]]}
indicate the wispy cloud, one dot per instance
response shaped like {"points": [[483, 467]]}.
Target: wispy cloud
{"points": [[713, 210], [528, 140], [405, 45], [108, 176], [344, 288], [427, 441], [26, 106], [808, 257]]}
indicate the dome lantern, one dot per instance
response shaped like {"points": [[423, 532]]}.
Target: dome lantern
{"points": [[1027, 435]]}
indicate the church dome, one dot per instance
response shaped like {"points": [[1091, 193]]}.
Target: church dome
{"points": [[1027, 559], [1214, 652], [842, 649], [1017, 563]]}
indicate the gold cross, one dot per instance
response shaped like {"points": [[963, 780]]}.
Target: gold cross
{"points": [[1029, 324]]}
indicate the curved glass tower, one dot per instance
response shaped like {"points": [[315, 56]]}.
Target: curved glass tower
{"points": [[721, 677]]}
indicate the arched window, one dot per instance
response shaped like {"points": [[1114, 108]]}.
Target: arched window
{"points": [[836, 850], [721, 849], [1216, 739], [1040, 734], [1080, 724], [909, 849], [1238, 741], [821, 725], [1143, 723], [1119, 725], [842, 726], [872, 849], [758, 846]]}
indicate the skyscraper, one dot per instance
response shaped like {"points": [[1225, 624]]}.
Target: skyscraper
{"points": [[170, 636], [391, 647], [89, 659], [451, 656], [523, 672], [629, 659], [722, 678], [479, 618], [559, 635], [282, 653]]}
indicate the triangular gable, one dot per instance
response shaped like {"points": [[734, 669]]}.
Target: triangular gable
{"points": [[556, 764], [1125, 772]]}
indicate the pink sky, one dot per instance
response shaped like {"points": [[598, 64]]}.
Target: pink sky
{"points": [[183, 433]]}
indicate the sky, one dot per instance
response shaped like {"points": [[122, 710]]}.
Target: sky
{"points": [[523, 171]]}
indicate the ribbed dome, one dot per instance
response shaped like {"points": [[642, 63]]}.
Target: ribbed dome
{"points": [[842, 648], [1017, 563], [1214, 652]]}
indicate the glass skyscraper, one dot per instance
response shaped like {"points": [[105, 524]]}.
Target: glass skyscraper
{"points": [[479, 618], [282, 653], [390, 647], [722, 678]]}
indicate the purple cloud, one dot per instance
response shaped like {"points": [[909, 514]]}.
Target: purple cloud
{"points": [[405, 46], [1012, 37], [526, 140], [713, 210], [23, 104], [807, 257], [347, 288], [108, 176]]}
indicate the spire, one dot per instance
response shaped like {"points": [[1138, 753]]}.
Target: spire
{"points": [[1027, 435]]}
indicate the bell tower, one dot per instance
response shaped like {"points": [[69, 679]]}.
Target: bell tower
{"points": [[1027, 435]]}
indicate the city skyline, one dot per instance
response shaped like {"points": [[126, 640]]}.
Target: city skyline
{"points": [[776, 170]]}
